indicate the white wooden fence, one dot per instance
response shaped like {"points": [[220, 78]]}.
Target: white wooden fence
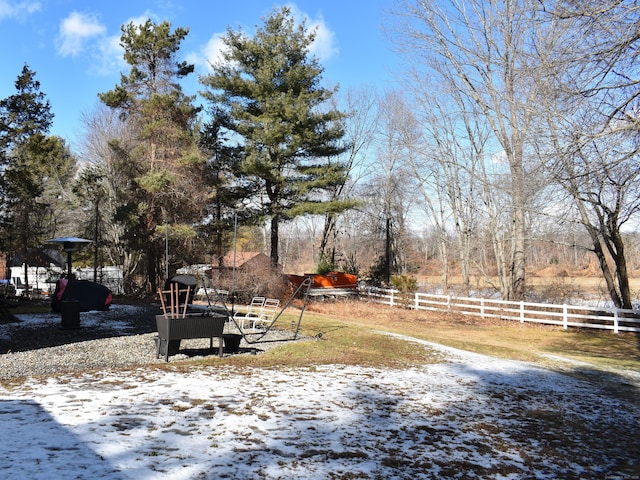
{"points": [[615, 319]]}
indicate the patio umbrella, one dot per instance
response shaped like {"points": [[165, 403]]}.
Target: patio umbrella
{"points": [[69, 245]]}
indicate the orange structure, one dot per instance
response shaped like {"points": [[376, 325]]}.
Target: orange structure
{"points": [[331, 280]]}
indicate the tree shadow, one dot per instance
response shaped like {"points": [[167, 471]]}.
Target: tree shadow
{"points": [[35, 445], [448, 420]]}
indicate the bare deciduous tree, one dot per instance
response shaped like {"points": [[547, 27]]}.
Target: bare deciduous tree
{"points": [[105, 136], [360, 124], [591, 105], [450, 171], [390, 188], [480, 49]]}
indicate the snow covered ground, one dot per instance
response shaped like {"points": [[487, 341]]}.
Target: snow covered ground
{"points": [[469, 416]]}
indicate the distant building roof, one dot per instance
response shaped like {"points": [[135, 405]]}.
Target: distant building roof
{"points": [[242, 258]]}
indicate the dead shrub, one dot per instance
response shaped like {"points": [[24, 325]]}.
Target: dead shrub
{"points": [[261, 283], [557, 291]]}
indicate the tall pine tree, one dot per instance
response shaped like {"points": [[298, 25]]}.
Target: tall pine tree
{"points": [[23, 114], [165, 169], [36, 168], [228, 191], [269, 88]]}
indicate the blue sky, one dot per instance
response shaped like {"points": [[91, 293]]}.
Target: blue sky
{"points": [[72, 45]]}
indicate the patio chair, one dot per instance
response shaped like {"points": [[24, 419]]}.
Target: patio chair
{"points": [[251, 312], [267, 313], [174, 300], [221, 297], [211, 295]]}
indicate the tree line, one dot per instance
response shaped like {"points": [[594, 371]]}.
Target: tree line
{"points": [[515, 126], [525, 116]]}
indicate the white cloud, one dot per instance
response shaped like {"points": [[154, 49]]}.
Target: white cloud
{"points": [[17, 10], [109, 56], [324, 45], [83, 32], [142, 19], [209, 54], [215, 48], [75, 31]]}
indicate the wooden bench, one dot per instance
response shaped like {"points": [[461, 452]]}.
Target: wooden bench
{"points": [[173, 329]]}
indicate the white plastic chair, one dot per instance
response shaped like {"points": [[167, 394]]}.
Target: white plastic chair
{"points": [[220, 297], [267, 313], [252, 312]]}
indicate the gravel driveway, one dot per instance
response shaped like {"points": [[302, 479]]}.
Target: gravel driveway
{"points": [[123, 336]]}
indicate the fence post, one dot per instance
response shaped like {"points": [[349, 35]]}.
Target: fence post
{"points": [[391, 300], [616, 321], [448, 302], [416, 301], [565, 316], [482, 308], [522, 311]]}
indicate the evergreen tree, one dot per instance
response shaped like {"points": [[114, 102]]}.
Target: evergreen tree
{"points": [[37, 176], [165, 168], [91, 190], [269, 88], [36, 168], [23, 114], [227, 189], [34, 165]]}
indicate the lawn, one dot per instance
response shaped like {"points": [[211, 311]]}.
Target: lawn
{"points": [[347, 332], [370, 392]]}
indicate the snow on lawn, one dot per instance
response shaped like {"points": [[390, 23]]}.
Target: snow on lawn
{"points": [[469, 416], [115, 318]]}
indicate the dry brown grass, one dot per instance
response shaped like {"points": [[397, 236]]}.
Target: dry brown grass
{"points": [[348, 332], [502, 338], [330, 341]]}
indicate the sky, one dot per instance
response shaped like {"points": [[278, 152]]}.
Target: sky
{"points": [[463, 416], [73, 45]]}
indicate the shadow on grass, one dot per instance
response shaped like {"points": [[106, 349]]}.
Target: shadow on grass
{"points": [[36, 445], [467, 416]]}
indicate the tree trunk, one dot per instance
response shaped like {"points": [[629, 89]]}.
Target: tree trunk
{"points": [[275, 223], [604, 268], [622, 275], [387, 249], [96, 245], [518, 233], [152, 268]]}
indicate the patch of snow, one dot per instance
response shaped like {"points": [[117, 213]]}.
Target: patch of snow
{"points": [[468, 416], [87, 319]]}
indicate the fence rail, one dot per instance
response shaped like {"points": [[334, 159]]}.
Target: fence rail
{"points": [[615, 319]]}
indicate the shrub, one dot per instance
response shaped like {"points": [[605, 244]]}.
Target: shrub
{"points": [[325, 265], [407, 286], [376, 275]]}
